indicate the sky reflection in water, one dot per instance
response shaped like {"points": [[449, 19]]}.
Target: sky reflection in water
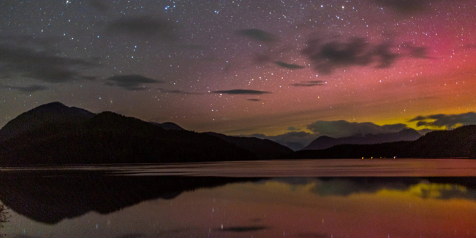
{"points": [[281, 207]]}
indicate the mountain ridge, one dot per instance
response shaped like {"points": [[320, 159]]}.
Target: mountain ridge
{"points": [[324, 142], [57, 134], [108, 137], [456, 143], [54, 112]]}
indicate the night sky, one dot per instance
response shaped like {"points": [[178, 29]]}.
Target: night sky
{"points": [[290, 70]]}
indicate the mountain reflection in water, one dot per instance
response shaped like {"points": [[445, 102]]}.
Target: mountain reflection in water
{"points": [[96, 204]]}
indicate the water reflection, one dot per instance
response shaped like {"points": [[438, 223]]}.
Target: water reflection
{"points": [[97, 205], [3, 217]]}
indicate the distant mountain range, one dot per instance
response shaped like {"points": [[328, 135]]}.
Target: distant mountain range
{"points": [[324, 142], [56, 134], [460, 142], [263, 148]]}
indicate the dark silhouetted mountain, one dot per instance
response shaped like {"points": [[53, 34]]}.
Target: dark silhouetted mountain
{"points": [[50, 113], [324, 142], [50, 199], [460, 142], [168, 126], [263, 148], [111, 138]]}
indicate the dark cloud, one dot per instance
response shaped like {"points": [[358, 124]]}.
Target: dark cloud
{"points": [[383, 56], [28, 41], [261, 58], [135, 235], [98, 5], [446, 121], [257, 34], [87, 77], [419, 52], [27, 89], [343, 128], [241, 91], [195, 47], [356, 52], [406, 6], [288, 66], [24, 236], [470, 46], [416, 51], [130, 82], [240, 229], [253, 99], [143, 26], [177, 91], [42, 65], [309, 83]]}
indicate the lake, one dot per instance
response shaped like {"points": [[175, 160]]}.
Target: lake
{"points": [[302, 198]]}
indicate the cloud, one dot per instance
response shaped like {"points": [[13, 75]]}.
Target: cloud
{"points": [[177, 91], [257, 34], [134, 235], [418, 52], [288, 66], [42, 65], [261, 58], [98, 5], [143, 26], [343, 128], [253, 99], [406, 6], [446, 121], [26, 89], [28, 41], [240, 229], [469, 46], [241, 91], [130, 82], [309, 83], [356, 52]]}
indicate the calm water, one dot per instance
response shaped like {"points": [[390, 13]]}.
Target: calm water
{"points": [[305, 198]]}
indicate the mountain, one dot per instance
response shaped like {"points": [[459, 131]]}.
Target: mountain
{"points": [[105, 138], [263, 148], [168, 126], [324, 142], [54, 112], [460, 142]]}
